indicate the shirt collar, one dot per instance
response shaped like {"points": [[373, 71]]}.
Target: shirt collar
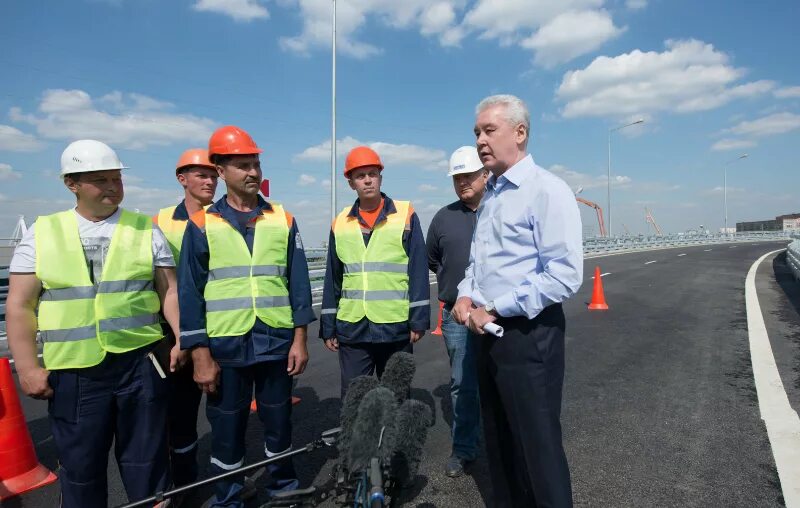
{"points": [[180, 212], [388, 207], [516, 174]]}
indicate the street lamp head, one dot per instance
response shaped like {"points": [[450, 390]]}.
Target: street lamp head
{"points": [[743, 156], [579, 190], [641, 120]]}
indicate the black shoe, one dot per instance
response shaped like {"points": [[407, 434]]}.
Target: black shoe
{"points": [[455, 467]]}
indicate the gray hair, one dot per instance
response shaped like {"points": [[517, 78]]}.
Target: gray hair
{"points": [[516, 110]]}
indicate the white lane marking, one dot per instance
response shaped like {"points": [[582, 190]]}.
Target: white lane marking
{"points": [[649, 262], [707, 250], [782, 422], [732, 247], [602, 274], [679, 255]]}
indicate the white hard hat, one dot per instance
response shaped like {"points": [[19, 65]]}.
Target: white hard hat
{"points": [[465, 160], [87, 155]]}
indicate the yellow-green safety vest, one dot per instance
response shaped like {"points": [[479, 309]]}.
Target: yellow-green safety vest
{"points": [[242, 286], [78, 321], [173, 230], [375, 281]]}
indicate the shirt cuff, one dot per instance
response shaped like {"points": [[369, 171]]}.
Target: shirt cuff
{"points": [[506, 305], [304, 316], [191, 339]]}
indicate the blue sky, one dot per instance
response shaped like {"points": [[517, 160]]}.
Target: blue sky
{"points": [[152, 78]]}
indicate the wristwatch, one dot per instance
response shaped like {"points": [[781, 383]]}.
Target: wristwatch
{"points": [[489, 308]]}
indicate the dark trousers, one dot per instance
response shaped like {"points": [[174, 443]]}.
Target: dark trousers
{"points": [[124, 400], [520, 377], [184, 402], [228, 411], [365, 358]]}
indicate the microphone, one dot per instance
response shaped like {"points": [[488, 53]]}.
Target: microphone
{"points": [[413, 419], [358, 387], [374, 431], [397, 375]]}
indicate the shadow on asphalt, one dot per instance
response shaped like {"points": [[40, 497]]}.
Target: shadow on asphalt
{"points": [[786, 280]]}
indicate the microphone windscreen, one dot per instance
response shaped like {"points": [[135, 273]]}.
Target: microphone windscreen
{"points": [[374, 430], [413, 419], [358, 387], [398, 374]]}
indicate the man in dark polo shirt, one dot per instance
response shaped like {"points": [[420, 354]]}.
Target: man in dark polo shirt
{"points": [[448, 243]]}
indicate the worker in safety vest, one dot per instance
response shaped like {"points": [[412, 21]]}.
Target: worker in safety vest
{"points": [[245, 301], [198, 177], [376, 296], [92, 281]]}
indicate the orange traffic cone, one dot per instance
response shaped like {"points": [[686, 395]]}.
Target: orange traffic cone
{"points": [[20, 470], [598, 298], [254, 406], [438, 330]]}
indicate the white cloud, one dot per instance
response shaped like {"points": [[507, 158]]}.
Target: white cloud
{"points": [[305, 180], [149, 200], [570, 35], [635, 4], [771, 125], [14, 140], [128, 121], [391, 154], [555, 31], [239, 10], [790, 92], [688, 76], [732, 144], [425, 187], [576, 179], [8, 173]]}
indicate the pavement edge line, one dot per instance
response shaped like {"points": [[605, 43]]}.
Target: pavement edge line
{"points": [[781, 421]]}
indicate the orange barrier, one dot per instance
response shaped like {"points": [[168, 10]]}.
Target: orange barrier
{"points": [[20, 470], [598, 297], [438, 330]]}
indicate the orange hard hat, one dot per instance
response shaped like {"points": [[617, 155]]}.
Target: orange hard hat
{"points": [[361, 156], [231, 140], [193, 157]]}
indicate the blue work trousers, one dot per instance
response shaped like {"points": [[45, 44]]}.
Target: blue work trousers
{"points": [[184, 403], [463, 387], [228, 411], [367, 358], [124, 400]]}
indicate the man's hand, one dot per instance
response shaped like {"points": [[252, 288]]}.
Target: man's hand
{"points": [[462, 309], [298, 358], [332, 344], [177, 358], [478, 318], [206, 370], [34, 383], [416, 335]]}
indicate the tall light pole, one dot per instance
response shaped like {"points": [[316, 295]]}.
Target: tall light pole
{"points": [[333, 117], [608, 202], [725, 186]]}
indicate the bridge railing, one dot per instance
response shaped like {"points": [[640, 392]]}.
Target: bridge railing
{"points": [[793, 258], [591, 247]]}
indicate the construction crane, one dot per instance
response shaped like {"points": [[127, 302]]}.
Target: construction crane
{"points": [[599, 212], [650, 220]]}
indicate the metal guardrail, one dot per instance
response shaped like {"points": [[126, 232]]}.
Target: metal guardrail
{"points": [[591, 247], [793, 258]]}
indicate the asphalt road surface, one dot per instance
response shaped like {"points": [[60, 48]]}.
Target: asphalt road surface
{"points": [[660, 406]]}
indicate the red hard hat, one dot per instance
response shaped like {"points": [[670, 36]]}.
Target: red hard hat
{"points": [[361, 156], [231, 140], [194, 157]]}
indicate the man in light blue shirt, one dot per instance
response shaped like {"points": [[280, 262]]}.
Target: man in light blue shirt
{"points": [[526, 258]]}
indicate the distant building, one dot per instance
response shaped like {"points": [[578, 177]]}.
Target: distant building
{"points": [[790, 222]]}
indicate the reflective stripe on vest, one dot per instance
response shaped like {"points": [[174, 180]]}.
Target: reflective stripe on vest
{"points": [[242, 286], [173, 230], [375, 281], [79, 322]]}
